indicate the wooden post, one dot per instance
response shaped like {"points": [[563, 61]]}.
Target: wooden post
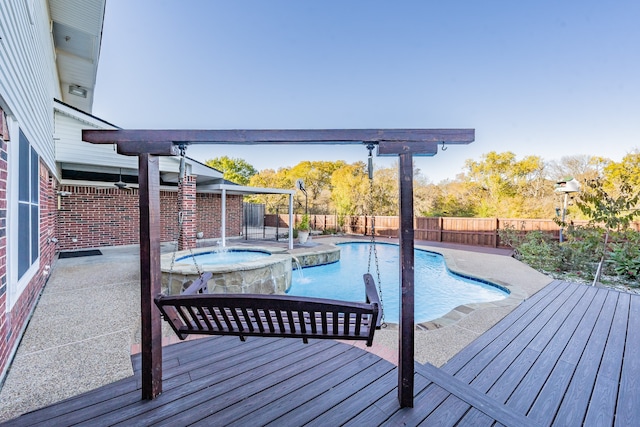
{"points": [[407, 327], [150, 274]]}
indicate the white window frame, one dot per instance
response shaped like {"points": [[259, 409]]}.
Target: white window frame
{"points": [[16, 285]]}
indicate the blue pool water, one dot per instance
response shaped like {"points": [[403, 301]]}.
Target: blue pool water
{"points": [[437, 291], [224, 257]]}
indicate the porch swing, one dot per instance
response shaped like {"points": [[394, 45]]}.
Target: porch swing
{"points": [[196, 312], [148, 145]]}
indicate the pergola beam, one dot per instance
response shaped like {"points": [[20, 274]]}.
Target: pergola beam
{"points": [[137, 139]]}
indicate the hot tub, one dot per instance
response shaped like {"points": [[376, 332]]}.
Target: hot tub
{"points": [[254, 270]]}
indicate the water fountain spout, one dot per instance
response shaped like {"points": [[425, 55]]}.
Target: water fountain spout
{"points": [[296, 265]]}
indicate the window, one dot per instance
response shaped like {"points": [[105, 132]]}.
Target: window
{"points": [[28, 218]]}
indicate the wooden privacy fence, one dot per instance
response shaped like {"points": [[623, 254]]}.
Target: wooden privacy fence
{"points": [[464, 231]]}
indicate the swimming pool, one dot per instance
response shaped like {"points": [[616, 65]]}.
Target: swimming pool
{"points": [[437, 290]]}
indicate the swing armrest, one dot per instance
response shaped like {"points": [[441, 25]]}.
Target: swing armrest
{"points": [[372, 296], [199, 286]]}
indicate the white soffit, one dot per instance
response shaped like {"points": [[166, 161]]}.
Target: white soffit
{"points": [[77, 34]]}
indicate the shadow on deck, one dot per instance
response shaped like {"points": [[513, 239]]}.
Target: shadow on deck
{"points": [[569, 355]]}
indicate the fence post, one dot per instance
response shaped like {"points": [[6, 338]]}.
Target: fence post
{"points": [[496, 234], [246, 227], [440, 225]]}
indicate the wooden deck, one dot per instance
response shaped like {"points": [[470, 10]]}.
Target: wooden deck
{"points": [[569, 355]]}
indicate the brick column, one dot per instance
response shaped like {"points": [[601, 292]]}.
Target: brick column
{"points": [[187, 202]]}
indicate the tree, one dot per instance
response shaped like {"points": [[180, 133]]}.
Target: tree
{"points": [[451, 198], [384, 192], [350, 188], [235, 170], [615, 211], [507, 187], [317, 181], [580, 167], [625, 172], [269, 178]]}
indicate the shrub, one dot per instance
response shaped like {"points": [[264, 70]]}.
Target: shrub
{"points": [[539, 251], [583, 248], [304, 223], [511, 237], [625, 256]]}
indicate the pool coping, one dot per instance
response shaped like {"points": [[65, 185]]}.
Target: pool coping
{"points": [[188, 267]]}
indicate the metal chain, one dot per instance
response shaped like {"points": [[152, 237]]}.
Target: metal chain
{"points": [[373, 251], [175, 249], [181, 174]]}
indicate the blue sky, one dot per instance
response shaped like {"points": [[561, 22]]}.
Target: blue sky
{"points": [[549, 78]]}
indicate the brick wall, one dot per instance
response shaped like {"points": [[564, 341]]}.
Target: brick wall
{"points": [[12, 323], [110, 217], [92, 217], [208, 214]]}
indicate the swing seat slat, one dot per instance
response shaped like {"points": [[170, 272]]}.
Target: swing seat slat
{"points": [[245, 315]]}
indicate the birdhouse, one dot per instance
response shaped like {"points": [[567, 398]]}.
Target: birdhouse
{"points": [[569, 185]]}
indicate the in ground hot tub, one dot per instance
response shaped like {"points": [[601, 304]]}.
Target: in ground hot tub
{"points": [[253, 270]]}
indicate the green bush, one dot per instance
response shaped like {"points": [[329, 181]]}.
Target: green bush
{"points": [[304, 223], [625, 256], [511, 237], [583, 248], [539, 251]]}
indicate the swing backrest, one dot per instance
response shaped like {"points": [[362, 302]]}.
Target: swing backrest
{"points": [[245, 315]]}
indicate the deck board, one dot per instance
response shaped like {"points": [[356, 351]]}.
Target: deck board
{"points": [[553, 391], [603, 400], [267, 396], [568, 354], [352, 405], [515, 319], [204, 395], [330, 397], [522, 398], [482, 375], [628, 410], [382, 407], [576, 399]]}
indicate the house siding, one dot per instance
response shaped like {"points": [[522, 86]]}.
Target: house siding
{"points": [[28, 73], [71, 149]]}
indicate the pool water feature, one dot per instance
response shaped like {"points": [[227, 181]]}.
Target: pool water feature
{"points": [[437, 290], [253, 270], [228, 256]]}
